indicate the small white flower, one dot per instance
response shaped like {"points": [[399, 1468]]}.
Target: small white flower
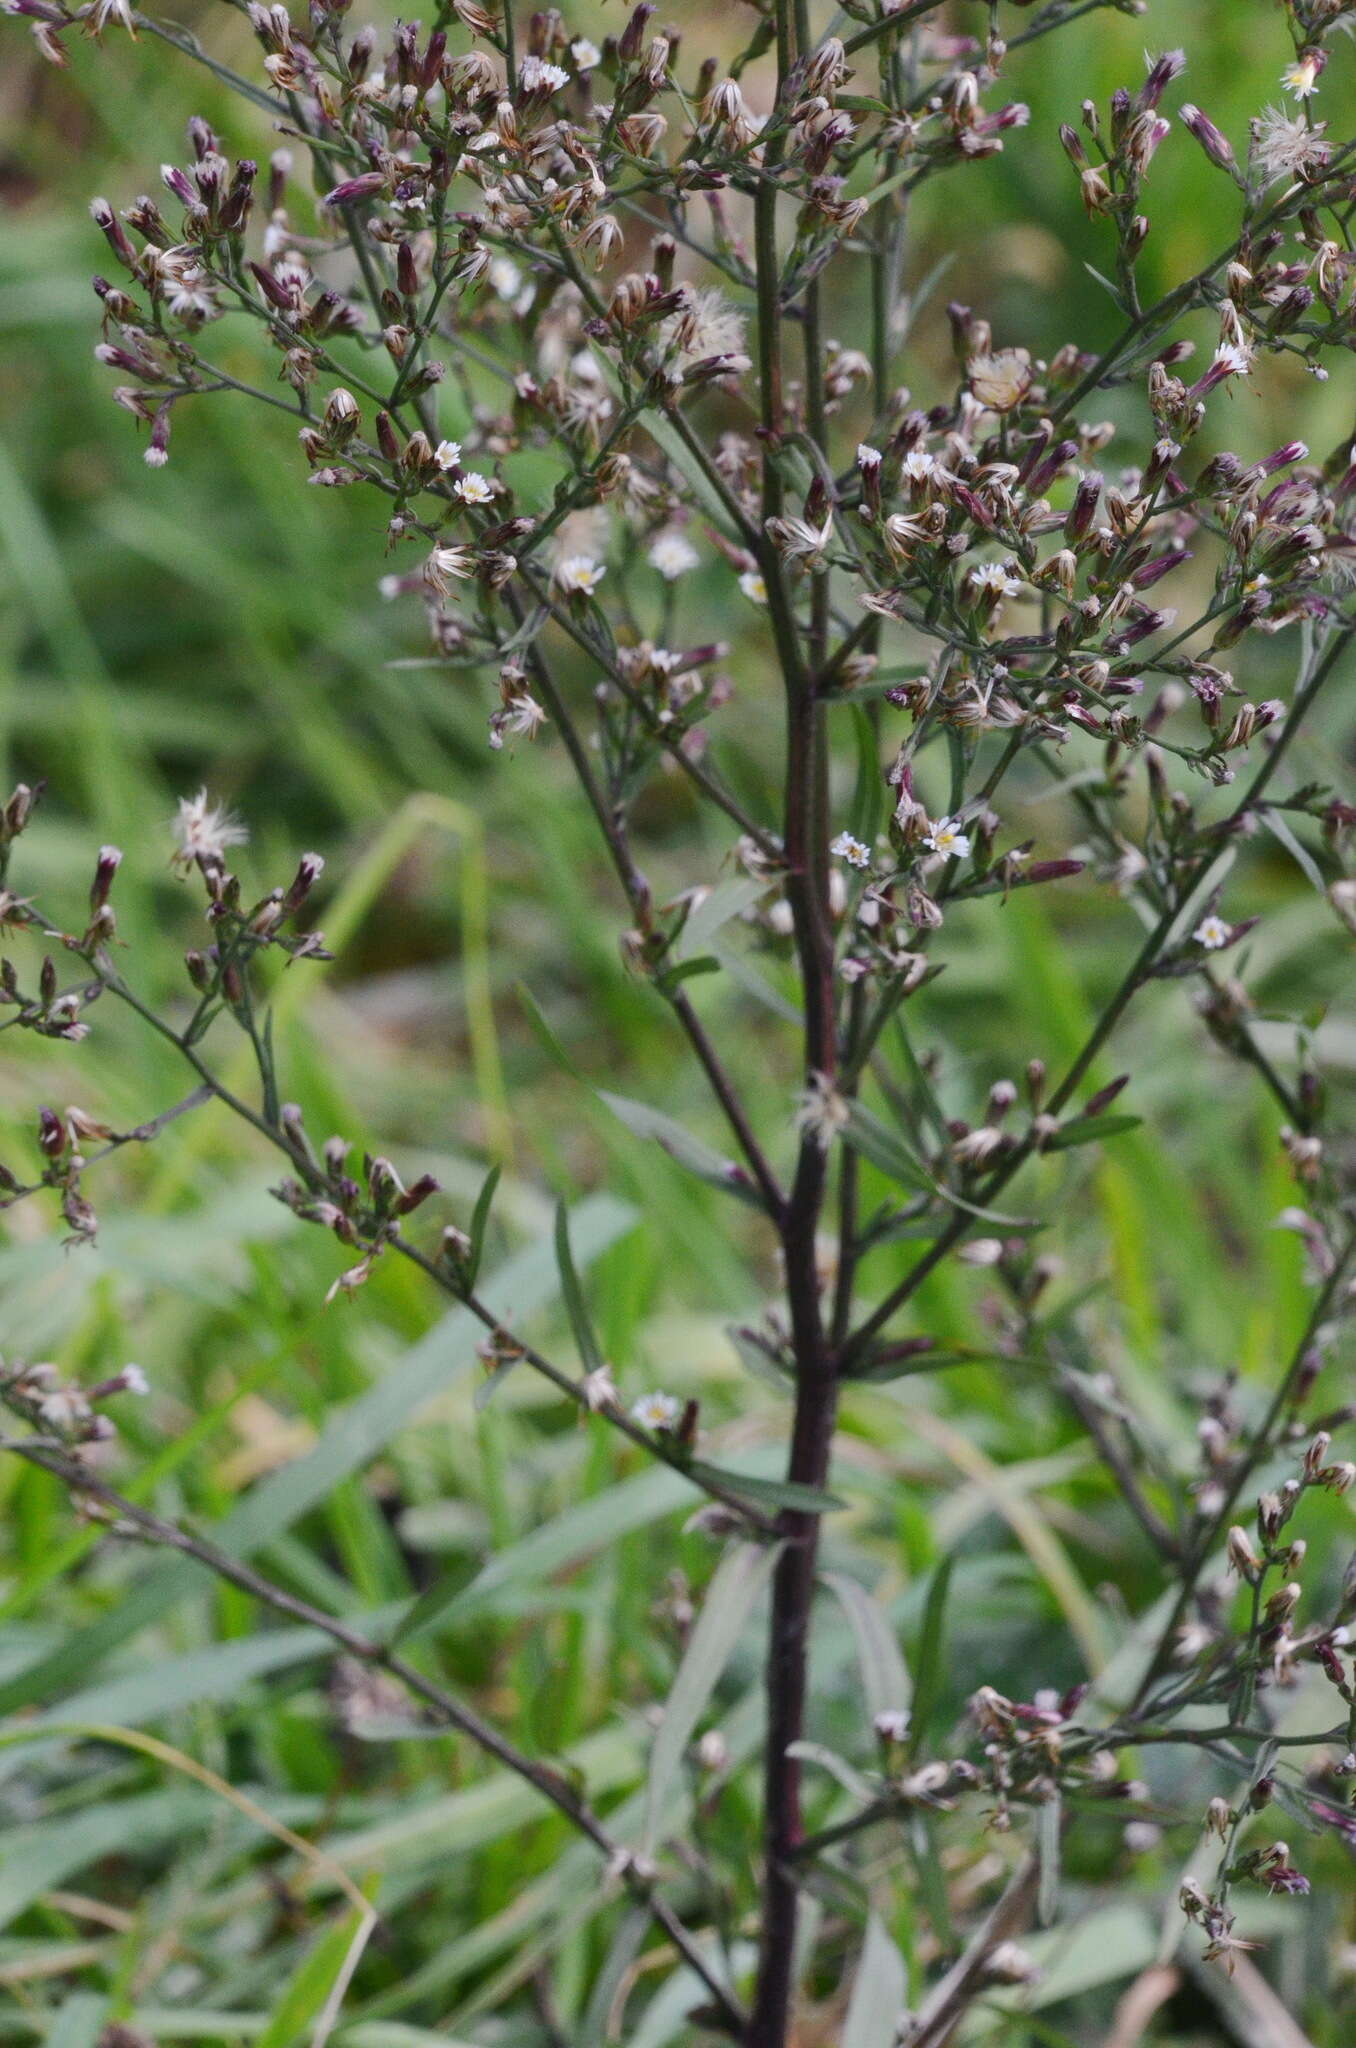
{"points": [[586, 54], [474, 489], [1212, 933], [918, 465], [867, 456], [505, 277], [580, 572], [599, 1389], [947, 838], [845, 847], [822, 1113], [656, 1410], [994, 580], [672, 554], [447, 454], [753, 586], [892, 1725], [1301, 79], [1234, 358], [536, 75], [390, 587], [204, 831], [134, 1380]]}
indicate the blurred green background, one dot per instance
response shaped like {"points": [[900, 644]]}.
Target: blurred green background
{"points": [[217, 622]]}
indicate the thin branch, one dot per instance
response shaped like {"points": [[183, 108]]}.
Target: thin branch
{"points": [[552, 1785]]}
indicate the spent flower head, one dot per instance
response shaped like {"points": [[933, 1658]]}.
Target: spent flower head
{"points": [[205, 832]]}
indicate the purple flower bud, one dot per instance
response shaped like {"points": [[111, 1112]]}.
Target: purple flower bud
{"points": [[1049, 467], [114, 233], [425, 1186], [1073, 147], [235, 208], [628, 49], [52, 1134], [279, 295], [1104, 1097], [110, 859], [1293, 451], [1084, 508], [1217, 147], [309, 869], [1161, 74], [1149, 572], [178, 184], [354, 189]]}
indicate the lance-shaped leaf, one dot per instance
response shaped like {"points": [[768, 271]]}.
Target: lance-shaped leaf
{"points": [[885, 1676], [878, 1992], [739, 1579], [573, 1295], [680, 1144]]}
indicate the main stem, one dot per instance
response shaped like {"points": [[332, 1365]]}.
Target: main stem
{"points": [[816, 1375]]}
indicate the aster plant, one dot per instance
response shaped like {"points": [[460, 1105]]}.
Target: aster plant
{"points": [[617, 259]]}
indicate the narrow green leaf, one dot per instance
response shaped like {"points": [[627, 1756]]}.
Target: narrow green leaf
{"points": [[1085, 1130], [930, 1361], [885, 1676], [1302, 858], [930, 1871], [545, 1033], [1105, 283], [860, 1788], [680, 1144], [886, 1149], [573, 1294], [626, 1945], [927, 1661], [1049, 1829], [727, 900], [924, 1095], [738, 1580], [329, 1962], [769, 1493], [480, 1217], [879, 1992]]}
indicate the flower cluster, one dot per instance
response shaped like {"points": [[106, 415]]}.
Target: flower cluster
{"points": [[559, 314]]}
